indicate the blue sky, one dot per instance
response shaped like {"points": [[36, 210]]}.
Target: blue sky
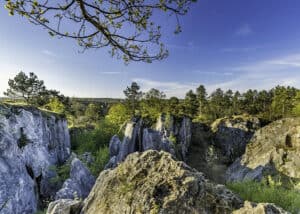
{"points": [[229, 44]]}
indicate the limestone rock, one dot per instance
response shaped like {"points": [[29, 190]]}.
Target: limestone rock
{"points": [[65, 206], [231, 135], [139, 138], [31, 142], [273, 150], [185, 136], [261, 208], [153, 182], [79, 184], [155, 140]]}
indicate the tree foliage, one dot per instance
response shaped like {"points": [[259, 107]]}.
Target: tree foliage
{"points": [[126, 26], [133, 95], [32, 90]]}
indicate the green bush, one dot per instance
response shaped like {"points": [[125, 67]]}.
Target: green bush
{"points": [[101, 159], [261, 192], [62, 172], [95, 141]]}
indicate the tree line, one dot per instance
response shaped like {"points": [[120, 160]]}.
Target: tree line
{"points": [[269, 105], [197, 104]]}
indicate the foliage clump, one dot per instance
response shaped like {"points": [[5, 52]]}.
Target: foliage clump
{"points": [[268, 192]]}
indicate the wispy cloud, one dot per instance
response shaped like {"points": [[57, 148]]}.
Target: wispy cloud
{"points": [[242, 49], [244, 30], [170, 88], [49, 53], [264, 74], [110, 72]]}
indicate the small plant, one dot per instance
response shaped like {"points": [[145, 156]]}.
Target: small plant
{"points": [[62, 172]]}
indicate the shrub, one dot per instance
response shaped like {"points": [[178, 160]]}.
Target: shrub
{"points": [[261, 192], [95, 141], [62, 172]]}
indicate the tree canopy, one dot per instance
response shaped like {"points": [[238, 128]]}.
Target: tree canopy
{"points": [[128, 27], [32, 90]]}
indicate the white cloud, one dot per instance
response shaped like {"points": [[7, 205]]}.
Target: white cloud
{"points": [[110, 72], [49, 53], [244, 30], [263, 74], [170, 88]]}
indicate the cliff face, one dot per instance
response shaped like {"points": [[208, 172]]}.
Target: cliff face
{"points": [[31, 142], [168, 135]]}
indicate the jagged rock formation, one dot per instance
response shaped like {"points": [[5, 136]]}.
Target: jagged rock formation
{"points": [[170, 136], [153, 182], [79, 184], [64, 206], [231, 135], [273, 150], [31, 142], [261, 208]]}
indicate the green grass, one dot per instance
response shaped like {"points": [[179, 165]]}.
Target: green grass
{"points": [[260, 192]]}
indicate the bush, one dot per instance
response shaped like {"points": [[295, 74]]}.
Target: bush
{"points": [[101, 159], [261, 192], [95, 141]]}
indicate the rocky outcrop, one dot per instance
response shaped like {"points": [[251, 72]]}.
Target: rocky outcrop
{"points": [[153, 182], [273, 150], [231, 135], [131, 143], [65, 206], [261, 208], [79, 184], [31, 141], [169, 135]]}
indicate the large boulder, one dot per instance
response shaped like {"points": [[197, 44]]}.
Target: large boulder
{"points": [[79, 184], [231, 135], [153, 182], [31, 141], [273, 150]]}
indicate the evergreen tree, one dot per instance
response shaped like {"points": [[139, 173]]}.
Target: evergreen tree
{"points": [[202, 99], [190, 104], [133, 95]]}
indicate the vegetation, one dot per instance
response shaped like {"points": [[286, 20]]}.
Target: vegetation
{"points": [[127, 27], [31, 90], [62, 172], [95, 141], [266, 192]]}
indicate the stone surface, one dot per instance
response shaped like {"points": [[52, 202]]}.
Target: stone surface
{"points": [[231, 135], [79, 184], [185, 137], [140, 138], [273, 150], [65, 206], [261, 208], [31, 142], [153, 182]]}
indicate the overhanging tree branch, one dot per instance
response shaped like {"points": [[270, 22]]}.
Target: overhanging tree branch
{"points": [[126, 26]]}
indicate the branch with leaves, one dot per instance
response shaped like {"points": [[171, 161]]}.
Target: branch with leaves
{"points": [[127, 27]]}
